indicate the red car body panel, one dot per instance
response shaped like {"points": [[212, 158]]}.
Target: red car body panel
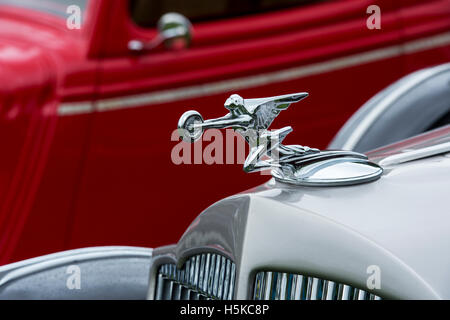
{"points": [[103, 174]]}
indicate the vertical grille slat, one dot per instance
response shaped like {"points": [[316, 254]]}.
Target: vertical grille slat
{"points": [[196, 271], [298, 287], [192, 272], [221, 278], [267, 286], [259, 286], [363, 295], [184, 293], [293, 286], [202, 277], [201, 271], [176, 295], [212, 269], [283, 286], [270, 285], [206, 275], [347, 293], [331, 291], [317, 289], [273, 286], [308, 288], [226, 285], [232, 279], [216, 277], [159, 287], [167, 289]]}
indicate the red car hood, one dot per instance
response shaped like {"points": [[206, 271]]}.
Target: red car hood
{"points": [[35, 61], [23, 70], [33, 56]]}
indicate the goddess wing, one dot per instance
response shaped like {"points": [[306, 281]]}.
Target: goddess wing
{"points": [[265, 110]]}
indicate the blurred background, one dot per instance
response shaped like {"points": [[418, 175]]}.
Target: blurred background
{"points": [[92, 90]]}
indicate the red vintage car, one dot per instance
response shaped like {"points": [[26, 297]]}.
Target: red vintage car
{"points": [[86, 123]]}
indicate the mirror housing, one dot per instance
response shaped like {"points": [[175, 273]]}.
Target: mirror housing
{"points": [[174, 31]]}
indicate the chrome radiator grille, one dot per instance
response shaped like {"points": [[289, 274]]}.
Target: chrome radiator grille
{"points": [[204, 276], [286, 286]]}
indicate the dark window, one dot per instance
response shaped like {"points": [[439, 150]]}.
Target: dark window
{"points": [[145, 13], [445, 120]]}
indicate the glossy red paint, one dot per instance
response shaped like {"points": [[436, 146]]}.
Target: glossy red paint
{"points": [[105, 178]]}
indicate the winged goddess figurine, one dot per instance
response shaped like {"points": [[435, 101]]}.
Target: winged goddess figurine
{"points": [[252, 119]]}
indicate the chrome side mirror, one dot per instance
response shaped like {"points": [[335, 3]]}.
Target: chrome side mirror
{"points": [[174, 31]]}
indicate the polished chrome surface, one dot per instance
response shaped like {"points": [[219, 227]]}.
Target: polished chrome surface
{"points": [[411, 155], [294, 164], [286, 286], [174, 31], [334, 172], [204, 276], [187, 120]]}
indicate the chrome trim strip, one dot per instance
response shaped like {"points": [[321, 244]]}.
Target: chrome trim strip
{"points": [[75, 108], [415, 154], [183, 93]]}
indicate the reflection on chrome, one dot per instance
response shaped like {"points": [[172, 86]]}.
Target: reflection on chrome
{"points": [[287, 286], [294, 164], [203, 277]]}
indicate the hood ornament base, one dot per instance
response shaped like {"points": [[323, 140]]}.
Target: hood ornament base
{"points": [[293, 164]]}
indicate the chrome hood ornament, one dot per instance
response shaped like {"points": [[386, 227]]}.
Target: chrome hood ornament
{"points": [[294, 164]]}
